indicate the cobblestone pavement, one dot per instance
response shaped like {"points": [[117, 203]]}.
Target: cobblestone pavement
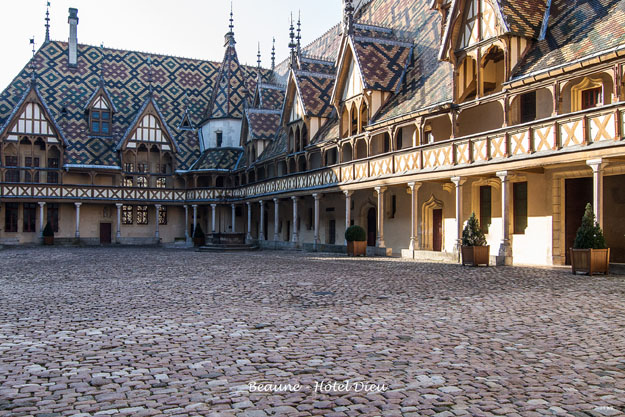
{"points": [[143, 332]]}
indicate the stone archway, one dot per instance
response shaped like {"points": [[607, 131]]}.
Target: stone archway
{"points": [[428, 234]]}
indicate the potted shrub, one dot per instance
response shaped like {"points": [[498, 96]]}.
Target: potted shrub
{"points": [[199, 238], [356, 241], [475, 251], [48, 234], [590, 253]]}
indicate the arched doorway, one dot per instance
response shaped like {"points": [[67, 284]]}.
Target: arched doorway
{"points": [[371, 227]]}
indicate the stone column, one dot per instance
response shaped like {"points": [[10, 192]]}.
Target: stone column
{"points": [[186, 222], [261, 235], [234, 219], [41, 225], [458, 182], [295, 234], [213, 210], [276, 222], [505, 248], [316, 197], [157, 233], [77, 219], [348, 210], [118, 233], [597, 166], [414, 191], [249, 221], [194, 218], [380, 241]]}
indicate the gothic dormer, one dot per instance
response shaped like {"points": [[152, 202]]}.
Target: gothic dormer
{"points": [[100, 109]]}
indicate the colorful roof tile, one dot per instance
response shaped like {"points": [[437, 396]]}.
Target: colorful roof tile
{"points": [[231, 91], [219, 159], [262, 124]]}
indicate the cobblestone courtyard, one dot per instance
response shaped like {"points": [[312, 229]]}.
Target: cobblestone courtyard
{"points": [[138, 332]]}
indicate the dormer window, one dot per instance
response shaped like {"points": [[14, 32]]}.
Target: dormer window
{"points": [[219, 137], [100, 117]]}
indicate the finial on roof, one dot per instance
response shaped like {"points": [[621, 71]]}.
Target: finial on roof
{"points": [[348, 18], [292, 44], [230, 35], [33, 74], [48, 22], [273, 55], [258, 55]]}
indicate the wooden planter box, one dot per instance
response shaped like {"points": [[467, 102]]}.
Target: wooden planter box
{"points": [[48, 240], [357, 248], [590, 261], [475, 255]]}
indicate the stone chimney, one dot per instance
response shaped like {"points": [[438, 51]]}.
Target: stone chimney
{"points": [[73, 37]]}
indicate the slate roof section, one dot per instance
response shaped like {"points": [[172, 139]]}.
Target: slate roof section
{"points": [[125, 75], [263, 124], [382, 61], [219, 159], [269, 96], [524, 17], [315, 91], [574, 33]]}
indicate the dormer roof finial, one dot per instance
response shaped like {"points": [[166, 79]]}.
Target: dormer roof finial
{"points": [[258, 61], [48, 22], [348, 18], [33, 74], [273, 55], [230, 35]]}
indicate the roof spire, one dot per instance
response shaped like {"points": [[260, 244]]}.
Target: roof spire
{"points": [[33, 74], [48, 22], [348, 17], [273, 55], [292, 44], [258, 61], [230, 35]]}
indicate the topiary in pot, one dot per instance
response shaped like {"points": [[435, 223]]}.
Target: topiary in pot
{"points": [[199, 238], [48, 234], [356, 238], [475, 251], [590, 252]]}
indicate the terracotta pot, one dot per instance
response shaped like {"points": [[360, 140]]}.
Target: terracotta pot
{"points": [[48, 240], [475, 255], [357, 248], [590, 261]]}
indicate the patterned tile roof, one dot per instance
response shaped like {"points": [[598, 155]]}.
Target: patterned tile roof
{"points": [[232, 90], [263, 124], [275, 148], [126, 76], [329, 131], [269, 97], [524, 17], [570, 36], [219, 159], [382, 63], [316, 92]]}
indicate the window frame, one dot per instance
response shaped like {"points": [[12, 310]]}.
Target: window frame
{"points": [[520, 207], [127, 214], [11, 217], [29, 217], [142, 215]]}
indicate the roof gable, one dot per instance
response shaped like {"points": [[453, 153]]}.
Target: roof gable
{"points": [[148, 128]]}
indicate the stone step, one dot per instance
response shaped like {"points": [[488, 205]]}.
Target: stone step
{"points": [[227, 248]]}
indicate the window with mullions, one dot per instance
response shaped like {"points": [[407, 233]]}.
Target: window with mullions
{"points": [[485, 208], [10, 217], [127, 182], [142, 214], [31, 162], [12, 175], [162, 215], [53, 177], [100, 121], [30, 211], [129, 167], [127, 215], [142, 182], [161, 182]]}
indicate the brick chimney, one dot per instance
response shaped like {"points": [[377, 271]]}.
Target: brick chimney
{"points": [[73, 37]]}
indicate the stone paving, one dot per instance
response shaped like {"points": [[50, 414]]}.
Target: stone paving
{"points": [[156, 332]]}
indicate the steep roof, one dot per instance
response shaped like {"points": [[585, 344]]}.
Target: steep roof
{"points": [[262, 124], [524, 17], [314, 81], [219, 159], [126, 76], [573, 33]]}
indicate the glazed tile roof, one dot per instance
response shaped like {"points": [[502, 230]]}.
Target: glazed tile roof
{"points": [[269, 96], [262, 124], [126, 76], [524, 17], [382, 62], [315, 91], [570, 36], [232, 90], [219, 159]]}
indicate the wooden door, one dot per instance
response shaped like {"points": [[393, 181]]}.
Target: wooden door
{"points": [[332, 232], [371, 227], [437, 230], [578, 193], [105, 233]]}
